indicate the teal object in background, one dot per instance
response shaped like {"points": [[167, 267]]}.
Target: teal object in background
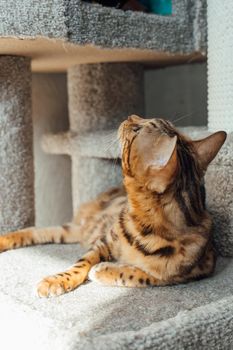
{"points": [[160, 7]]}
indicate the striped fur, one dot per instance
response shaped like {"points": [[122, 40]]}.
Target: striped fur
{"points": [[155, 230]]}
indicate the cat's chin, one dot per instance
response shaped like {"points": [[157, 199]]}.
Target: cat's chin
{"points": [[156, 188]]}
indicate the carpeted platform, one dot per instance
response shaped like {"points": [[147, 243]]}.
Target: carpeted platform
{"points": [[98, 317], [79, 22]]}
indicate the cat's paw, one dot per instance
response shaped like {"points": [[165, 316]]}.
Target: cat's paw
{"points": [[96, 272], [53, 286], [4, 244]]}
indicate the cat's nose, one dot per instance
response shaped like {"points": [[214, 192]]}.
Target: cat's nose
{"points": [[134, 118], [130, 118]]}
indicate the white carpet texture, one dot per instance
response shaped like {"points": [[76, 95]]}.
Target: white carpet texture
{"points": [[197, 315]]}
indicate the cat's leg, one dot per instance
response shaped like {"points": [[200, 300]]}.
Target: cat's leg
{"points": [[203, 269], [76, 274], [68, 233], [115, 274]]}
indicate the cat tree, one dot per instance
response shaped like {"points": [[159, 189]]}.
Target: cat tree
{"points": [[83, 39]]}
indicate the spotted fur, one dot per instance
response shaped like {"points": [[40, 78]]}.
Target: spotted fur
{"points": [[155, 230]]}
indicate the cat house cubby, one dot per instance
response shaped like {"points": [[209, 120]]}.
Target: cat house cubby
{"points": [[104, 52]]}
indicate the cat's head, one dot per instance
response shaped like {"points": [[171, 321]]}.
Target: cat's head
{"points": [[155, 153]]}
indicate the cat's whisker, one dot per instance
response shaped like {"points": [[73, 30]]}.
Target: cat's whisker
{"points": [[182, 117], [116, 148], [109, 146], [109, 135], [114, 163], [113, 145]]}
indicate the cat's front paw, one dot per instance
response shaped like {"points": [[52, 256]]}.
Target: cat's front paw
{"points": [[4, 244], [53, 286], [98, 271], [61, 283], [49, 287]]}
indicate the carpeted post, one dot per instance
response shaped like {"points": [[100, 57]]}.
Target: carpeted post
{"points": [[16, 157], [100, 97], [220, 72], [219, 178]]}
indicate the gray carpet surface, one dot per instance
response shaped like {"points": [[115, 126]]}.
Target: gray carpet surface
{"points": [[80, 319], [30, 18], [82, 23]]}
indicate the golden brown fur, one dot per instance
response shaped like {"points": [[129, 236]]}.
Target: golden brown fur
{"points": [[155, 230]]}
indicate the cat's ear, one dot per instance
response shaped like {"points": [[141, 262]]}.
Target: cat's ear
{"points": [[208, 148], [162, 151], [163, 164]]}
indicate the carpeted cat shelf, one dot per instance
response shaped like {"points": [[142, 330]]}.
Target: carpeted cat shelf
{"points": [[83, 39]]}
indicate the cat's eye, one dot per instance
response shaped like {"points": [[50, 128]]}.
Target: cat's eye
{"points": [[136, 128]]}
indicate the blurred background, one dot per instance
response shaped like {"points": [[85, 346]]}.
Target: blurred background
{"points": [[177, 93]]}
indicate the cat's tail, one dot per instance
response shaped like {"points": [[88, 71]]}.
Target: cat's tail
{"points": [[68, 233]]}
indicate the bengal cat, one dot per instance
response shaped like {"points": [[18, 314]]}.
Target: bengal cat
{"points": [[155, 230]]}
